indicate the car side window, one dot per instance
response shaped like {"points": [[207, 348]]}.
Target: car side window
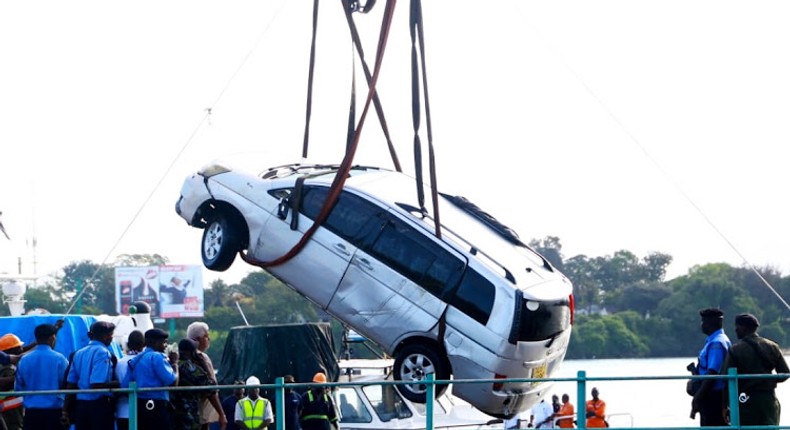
{"points": [[474, 296], [409, 252], [352, 218]]}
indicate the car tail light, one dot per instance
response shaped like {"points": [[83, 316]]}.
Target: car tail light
{"points": [[498, 386], [572, 305]]}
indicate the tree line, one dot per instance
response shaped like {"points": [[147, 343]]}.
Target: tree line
{"points": [[624, 305]]}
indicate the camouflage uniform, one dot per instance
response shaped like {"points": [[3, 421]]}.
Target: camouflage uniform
{"points": [[187, 403]]}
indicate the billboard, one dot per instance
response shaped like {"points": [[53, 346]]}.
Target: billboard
{"points": [[173, 291]]}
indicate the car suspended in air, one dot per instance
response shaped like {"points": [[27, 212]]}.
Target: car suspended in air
{"points": [[475, 303]]}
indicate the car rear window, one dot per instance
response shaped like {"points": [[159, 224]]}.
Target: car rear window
{"points": [[539, 320]]}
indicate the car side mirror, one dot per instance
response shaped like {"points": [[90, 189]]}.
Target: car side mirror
{"points": [[283, 207]]}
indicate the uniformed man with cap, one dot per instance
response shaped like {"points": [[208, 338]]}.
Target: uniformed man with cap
{"points": [[92, 368], [708, 397], [318, 410], [754, 354], [153, 369], [253, 411], [43, 369]]}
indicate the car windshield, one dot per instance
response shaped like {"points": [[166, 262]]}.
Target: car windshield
{"points": [[387, 403]]}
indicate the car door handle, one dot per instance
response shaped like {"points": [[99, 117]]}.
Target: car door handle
{"points": [[364, 263], [342, 249]]}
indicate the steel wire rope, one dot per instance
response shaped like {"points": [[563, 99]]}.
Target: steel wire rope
{"points": [[206, 116], [656, 164]]}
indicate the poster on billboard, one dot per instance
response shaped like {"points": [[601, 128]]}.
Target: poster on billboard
{"points": [[172, 291]]}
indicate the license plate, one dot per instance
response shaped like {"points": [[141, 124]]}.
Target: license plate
{"points": [[539, 372]]}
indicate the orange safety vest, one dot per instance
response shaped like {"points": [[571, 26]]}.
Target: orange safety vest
{"points": [[599, 407], [565, 410]]}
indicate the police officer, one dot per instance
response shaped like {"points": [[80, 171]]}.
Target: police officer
{"points": [[93, 367], [708, 398], [153, 369], [318, 410], [42, 369]]}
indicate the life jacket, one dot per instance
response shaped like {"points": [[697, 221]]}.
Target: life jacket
{"points": [[10, 402], [315, 410], [253, 417]]}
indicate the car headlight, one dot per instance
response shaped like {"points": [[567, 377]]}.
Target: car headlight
{"points": [[213, 169]]}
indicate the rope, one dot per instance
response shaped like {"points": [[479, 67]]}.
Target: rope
{"points": [[349, 8], [345, 166], [311, 70], [417, 35]]}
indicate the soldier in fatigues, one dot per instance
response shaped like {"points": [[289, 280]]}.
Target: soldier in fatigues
{"points": [[756, 355]]}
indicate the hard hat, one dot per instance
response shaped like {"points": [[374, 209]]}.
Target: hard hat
{"points": [[319, 377], [252, 380], [9, 341]]}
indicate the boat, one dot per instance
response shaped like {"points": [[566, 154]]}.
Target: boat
{"points": [[367, 400]]}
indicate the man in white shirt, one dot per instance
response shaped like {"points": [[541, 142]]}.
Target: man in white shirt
{"points": [[544, 415], [253, 411]]}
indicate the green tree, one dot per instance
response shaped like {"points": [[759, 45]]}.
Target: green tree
{"points": [[92, 283], [551, 248]]}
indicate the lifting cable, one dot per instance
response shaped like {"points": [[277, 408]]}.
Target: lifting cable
{"points": [[345, 166], [311, 68], [417, 34], [349, 7]]}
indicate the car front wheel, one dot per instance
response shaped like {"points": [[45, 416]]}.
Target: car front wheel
{"points": [[414, 363], [221, 243]]}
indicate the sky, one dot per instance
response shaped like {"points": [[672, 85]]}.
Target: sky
{"points": [[613, 125]]}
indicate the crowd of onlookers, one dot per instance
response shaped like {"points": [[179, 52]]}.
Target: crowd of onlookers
{"points": [[94, 374]]}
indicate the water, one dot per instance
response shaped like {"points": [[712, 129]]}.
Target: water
{"points": [[651, 403]]}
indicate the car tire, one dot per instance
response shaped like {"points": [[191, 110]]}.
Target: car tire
{"points": [[413, 363], [221, 242]]}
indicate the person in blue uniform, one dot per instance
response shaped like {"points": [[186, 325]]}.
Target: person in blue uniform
{"points": [[153, 368], [42, 369], [93, 367], [293, 405], [229, 403], [708, 398]]}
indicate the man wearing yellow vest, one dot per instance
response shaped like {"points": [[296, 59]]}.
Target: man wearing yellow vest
{"points": [[318, 410], [253, 411]]}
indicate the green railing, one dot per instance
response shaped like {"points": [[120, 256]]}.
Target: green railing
{"points": [[581, 384]]}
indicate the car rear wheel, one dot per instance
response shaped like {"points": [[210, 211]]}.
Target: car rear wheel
{"points": [[414, 363], [221, 243]]}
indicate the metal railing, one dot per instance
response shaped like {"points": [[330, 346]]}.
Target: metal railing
{"points": [[581, 381]]}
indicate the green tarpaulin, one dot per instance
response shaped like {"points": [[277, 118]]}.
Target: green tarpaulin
{"points": [[273, 351]]}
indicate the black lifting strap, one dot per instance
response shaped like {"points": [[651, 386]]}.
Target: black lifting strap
{"points": [[349, 7], [417, 34], [309, 109], [345, 167]]}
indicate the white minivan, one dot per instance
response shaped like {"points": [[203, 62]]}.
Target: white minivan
{"points": [[475, 303]]}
